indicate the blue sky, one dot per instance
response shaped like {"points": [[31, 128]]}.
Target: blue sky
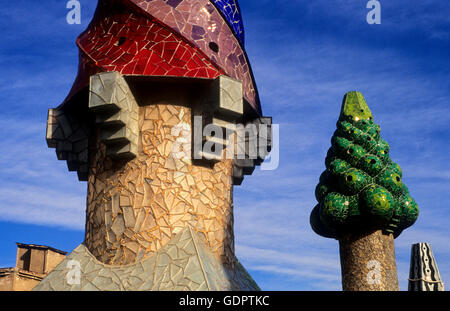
{"points": [[305, 55]]}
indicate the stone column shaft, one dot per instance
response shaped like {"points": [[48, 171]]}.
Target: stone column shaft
{"points": [[368, 262]]}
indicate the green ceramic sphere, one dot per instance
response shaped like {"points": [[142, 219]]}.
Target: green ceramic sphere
{"points": [[362, 186], [373, 130], [371, 164], [409, 211], [378, 202], [321, 191], [353, 207], [340, 145], [353, 181], [344, 127], [334, 210], [356, 134], [367, 141], [338, 166], [395, 168], [354, 154], [390, 180], [382, 150], [364, 125], [405, 189], [354, 218]]}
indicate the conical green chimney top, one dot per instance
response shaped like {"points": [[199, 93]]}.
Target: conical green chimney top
{"points": [[354, 108], [361, 188]]}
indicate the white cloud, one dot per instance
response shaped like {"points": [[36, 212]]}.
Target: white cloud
{"points": [[41, 206], [35, 187]]}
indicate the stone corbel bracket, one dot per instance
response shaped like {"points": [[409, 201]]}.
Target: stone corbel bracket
{"points": [[70, 139], [224, 107], [256, 148], [116, 112]]}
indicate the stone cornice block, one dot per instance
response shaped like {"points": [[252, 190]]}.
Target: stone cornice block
{"points": [[226, 97], [116, 112], [260, 142], [70, 139]]}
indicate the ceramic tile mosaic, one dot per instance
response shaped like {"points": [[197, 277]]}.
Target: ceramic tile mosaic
{"points": [[361, 187], [424, 273], [187, 38], [119, 39], [156, 220], [200, 22], [184, 264], [230, 9], [135, 208]]}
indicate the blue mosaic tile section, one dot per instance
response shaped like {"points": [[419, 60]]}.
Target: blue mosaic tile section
{"points": [[230, 9]]}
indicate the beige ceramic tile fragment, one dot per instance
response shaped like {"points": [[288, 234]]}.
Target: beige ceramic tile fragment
{"points": [[162, 186]]}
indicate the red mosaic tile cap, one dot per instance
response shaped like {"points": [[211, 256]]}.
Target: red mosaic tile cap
{"points": [[126, 38]]}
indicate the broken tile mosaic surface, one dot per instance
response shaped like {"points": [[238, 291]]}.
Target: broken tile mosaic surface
{"points": [[133, 210], [203, 19], [155, 221], [185, 263], [122, 40], [187, 38]]}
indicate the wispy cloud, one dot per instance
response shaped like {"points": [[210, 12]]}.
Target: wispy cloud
{"points": [[40, 205], [35, 187], [316, 268]]}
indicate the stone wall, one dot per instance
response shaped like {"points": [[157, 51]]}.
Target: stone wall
{"points": [[14, 279], [26, 281]]}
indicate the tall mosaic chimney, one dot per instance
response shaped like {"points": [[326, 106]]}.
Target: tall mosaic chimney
{"points": [[362, 200], [153, 124]]}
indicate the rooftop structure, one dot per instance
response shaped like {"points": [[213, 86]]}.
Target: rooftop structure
{"points": [[33, 263]]}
